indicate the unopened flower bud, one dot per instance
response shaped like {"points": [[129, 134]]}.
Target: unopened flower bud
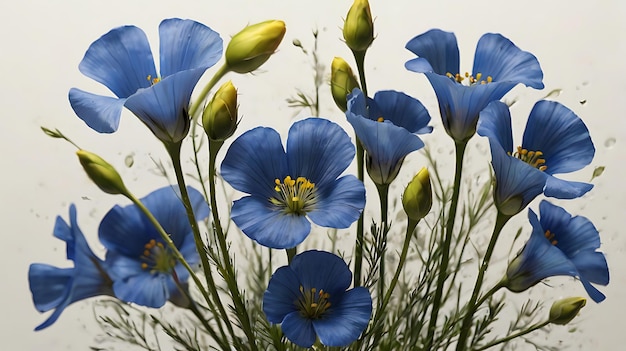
{"points": [[564, 310], [342, 81], [358, 29], [254, 45], [219, 118], [418, 196], [101, 173]]}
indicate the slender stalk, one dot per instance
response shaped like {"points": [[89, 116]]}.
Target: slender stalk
{"points": [[291, 253], [359, 57], [513, 336], [472, 306], [194, 109], [383, 195], [229, 274], [447, 241], [490, 293], [174, 152]]}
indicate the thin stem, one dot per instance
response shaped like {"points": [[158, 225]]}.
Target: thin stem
{"points": [[490, 293], [513, 336], [472, 306], [194, 109], [291, 253], [359, 57], [383, 195], [229, 274], [447, 242], [174, 152]]}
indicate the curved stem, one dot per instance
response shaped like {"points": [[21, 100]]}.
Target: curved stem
{"points": [[193, 110], [513, 336], [359, 57], [174, 152], [472, 306], [447, 242], [229, 274]]}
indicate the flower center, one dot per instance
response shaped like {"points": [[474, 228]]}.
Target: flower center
{"points": [[478, 79], [297, 196], [380, 119], [156, 258], [533, 158], [154, 80], [312, 304], [550, 236]]}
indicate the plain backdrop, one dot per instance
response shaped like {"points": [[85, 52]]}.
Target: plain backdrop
{"points": [[580, 45]]}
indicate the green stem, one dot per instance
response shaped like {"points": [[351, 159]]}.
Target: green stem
{"points": [[383, 195], [472, 306], [229, 274], [359, 57], [513, 336], [489, 293], [447, 242], [174, 152], [194, 109], [291, 253]]}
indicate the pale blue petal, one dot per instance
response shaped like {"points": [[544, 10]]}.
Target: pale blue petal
{"points": [[440, 50], [339, 204], [100, 113], [402, 110], [565, 189], [495, 124]]}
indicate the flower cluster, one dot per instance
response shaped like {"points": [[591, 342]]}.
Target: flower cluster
{"points": [[156, 246]]}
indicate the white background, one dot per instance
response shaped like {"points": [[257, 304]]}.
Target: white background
{"points": [[579, 44]]}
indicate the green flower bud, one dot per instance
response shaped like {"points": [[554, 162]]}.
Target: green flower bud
{"points": [[101, 173], [358, 29], [418, 196], [564, 310], [219, 118], [254, 45], [342, 81]]}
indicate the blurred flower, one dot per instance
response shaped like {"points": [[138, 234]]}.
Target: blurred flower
{"points": [[555, 141], [386, 127], [56, 288], [309, 298], [358, 29], [559, 245], [418, 196], [254, 45], [142, 266], [287, 187], [499, 65], [564, 310], [101, 173], [220, 115], [122, 61], [342, 82]]}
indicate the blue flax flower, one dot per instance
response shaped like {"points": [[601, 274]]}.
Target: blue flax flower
{"points": [[286, 187], [122, 61], [143, 268], [56, 288], [555, 141], [499, 66], [309, 298], [559, 245], [386, 126]]}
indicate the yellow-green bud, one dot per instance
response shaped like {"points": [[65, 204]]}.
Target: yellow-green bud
{"points": [[564, 310], [219, 118], [358, 29], [101, 173], [254, 45], [418, 196], [342, 81]]}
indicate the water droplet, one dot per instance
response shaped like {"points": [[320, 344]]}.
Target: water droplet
{"points": [[129, 160], [553, 93], [583, 101], [609, 143]]}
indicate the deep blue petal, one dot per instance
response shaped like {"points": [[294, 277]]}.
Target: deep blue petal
{"points": [[460, 105], [357, 103], [440, 50], [574, 234], [281, 294], [123, 230], [322, 270], [498, 57], [594, 293], [150, 290], [267, 224], [495, 124], [121, 60], [318, 150], [101, 113], [561, 135], [186, 44], [298, 330], [343, 323], [254, 161], [592, 266], [339, 204], [565, 189], [402, 110], [49, 285]]}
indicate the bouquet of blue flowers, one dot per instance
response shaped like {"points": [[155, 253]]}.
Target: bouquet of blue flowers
{"points": [[170, 269]]}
